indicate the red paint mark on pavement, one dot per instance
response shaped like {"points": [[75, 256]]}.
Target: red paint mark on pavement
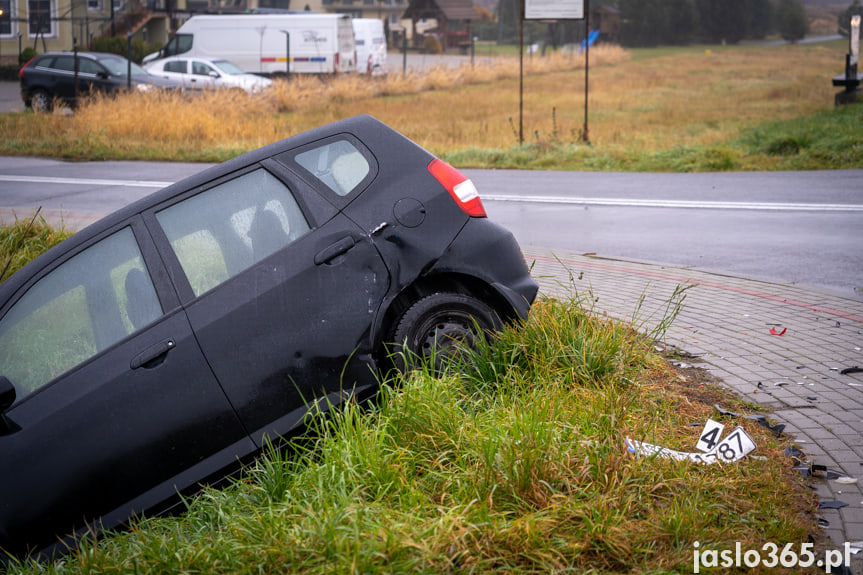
{"points": [[753, 293]]}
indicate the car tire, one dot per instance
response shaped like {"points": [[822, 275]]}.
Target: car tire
{"points": [[434, 328], [40, 101]]}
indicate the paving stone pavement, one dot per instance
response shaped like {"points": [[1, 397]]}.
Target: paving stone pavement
{"points": [[748, 332]]}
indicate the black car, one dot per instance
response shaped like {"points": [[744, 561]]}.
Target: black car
{"points": [[160, 347], [68, 76]]}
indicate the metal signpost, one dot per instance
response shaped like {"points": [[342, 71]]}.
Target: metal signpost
{"points": [[287, 34], [851, 79], [854, 38], [553, 10]]}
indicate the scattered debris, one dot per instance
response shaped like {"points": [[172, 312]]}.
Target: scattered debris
{"points": [[774, 332], [781, 383], [733, 448], [846, 480], [793, 452], [760, 419], [854, 369], [831, 504], [803, 470]]}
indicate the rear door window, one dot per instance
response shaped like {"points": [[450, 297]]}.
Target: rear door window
{"points": [[177, 66], [226, 229]]}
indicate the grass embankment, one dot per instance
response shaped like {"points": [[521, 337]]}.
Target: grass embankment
{"points": [[514, 464], [682, 109]]}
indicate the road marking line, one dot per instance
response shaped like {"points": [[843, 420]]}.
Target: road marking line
{"points": [[708, 205], [83, 181], [574, 200]]}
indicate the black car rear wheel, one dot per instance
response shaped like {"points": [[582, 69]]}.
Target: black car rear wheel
{"points": [[437, 327], [40, 101]]}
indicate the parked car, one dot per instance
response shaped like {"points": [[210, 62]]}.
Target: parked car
{"points": [[53, 76], [161, 346], [203, 73]]}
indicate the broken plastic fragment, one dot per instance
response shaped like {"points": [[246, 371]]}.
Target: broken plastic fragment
{"points": [[734, 447], [846, 480], [724, 411], [793, 452], [833, 504], [804, 470], [774, 332], [854, 369]]}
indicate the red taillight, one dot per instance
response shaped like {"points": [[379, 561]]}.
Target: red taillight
{"points": [[459, 187], [21, 71]]}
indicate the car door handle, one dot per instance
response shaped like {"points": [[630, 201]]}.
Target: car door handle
{"points": [[333, 251], [153, 356]]}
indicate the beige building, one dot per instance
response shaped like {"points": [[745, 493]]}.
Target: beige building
{"points": [[62, 24]]}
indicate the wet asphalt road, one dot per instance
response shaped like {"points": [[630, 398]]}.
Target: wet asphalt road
{"points": [[10, 97], [797, 227], [803, 228]]}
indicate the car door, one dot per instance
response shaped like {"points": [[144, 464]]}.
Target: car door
{"points": [[280, 290], [62, 77], [177, 70], [116, 407], [203, 75]]}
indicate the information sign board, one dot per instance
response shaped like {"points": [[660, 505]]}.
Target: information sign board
{"points": [[553, 9]]}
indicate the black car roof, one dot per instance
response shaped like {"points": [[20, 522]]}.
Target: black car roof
{"points": [[364, 127], [92, 55]]}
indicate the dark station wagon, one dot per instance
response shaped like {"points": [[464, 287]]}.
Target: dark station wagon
{"points": [[160, 347], [69, 76]]}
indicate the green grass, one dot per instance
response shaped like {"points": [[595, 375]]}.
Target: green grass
{"points": [[514, 463], [827, 140], [21, 242]]}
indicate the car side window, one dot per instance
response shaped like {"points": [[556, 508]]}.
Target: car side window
{"points": [[82, 307], [46, 62], [338, 164], [226, 229], [64, 63], [201, 69], [177, 66], [87, 66]]}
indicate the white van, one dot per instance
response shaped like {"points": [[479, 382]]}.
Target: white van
{"points": [[371, 46], [257, 43]]}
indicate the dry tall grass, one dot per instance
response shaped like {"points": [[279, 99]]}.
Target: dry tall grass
{"points": [[691, 97]]}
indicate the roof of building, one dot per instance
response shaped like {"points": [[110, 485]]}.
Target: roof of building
{"points": [[451, 9]]}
